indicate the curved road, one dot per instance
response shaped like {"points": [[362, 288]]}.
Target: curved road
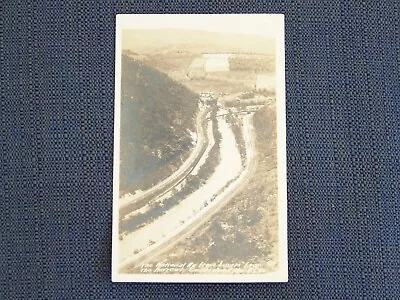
{"points": [[206, 214], [179, 174]]}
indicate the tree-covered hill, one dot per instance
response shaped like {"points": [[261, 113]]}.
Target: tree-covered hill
{"points": [[157, 116]]}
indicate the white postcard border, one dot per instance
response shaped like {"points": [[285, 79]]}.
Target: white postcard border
{"points": [[124, 21]]}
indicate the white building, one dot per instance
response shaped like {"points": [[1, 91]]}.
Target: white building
{"points": [[218, 62]]}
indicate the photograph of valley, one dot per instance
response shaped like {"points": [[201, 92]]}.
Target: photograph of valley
{"points": [[197, 150]]}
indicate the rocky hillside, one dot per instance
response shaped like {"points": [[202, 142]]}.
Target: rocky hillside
{"points": [[157, 119]]}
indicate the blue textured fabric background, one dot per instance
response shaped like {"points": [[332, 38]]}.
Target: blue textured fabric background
{"points": [[343, 149]]}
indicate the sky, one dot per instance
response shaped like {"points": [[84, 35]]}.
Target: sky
{"points": [[258, 24]]}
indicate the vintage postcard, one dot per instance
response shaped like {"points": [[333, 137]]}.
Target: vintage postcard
{"points": [[200, 149]]}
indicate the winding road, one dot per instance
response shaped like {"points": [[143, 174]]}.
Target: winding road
{"points": [[175, 178], [189, 226]]}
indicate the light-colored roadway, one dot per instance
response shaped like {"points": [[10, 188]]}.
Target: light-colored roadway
{"points": [[190, 226]]}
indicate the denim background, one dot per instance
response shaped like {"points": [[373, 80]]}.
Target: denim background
{"points": [[343, 149]]}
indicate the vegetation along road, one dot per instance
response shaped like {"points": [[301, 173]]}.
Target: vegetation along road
{"points": [[163, 234], [171, 181]]}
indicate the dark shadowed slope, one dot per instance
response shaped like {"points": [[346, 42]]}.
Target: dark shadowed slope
{"points": [[157, 115]]}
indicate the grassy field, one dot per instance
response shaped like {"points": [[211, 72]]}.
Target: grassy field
{"points": [[172, 51], [260, 63]]}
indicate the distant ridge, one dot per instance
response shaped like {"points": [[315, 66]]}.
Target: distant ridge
{"points": [[150, 41]]}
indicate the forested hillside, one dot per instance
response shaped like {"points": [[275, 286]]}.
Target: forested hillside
{"points": [[157, 116]]}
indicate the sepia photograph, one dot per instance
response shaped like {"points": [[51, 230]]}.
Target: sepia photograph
{"points": [[199, 149]]}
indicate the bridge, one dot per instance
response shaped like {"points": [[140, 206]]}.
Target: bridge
{"points": [[240, 112]]}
